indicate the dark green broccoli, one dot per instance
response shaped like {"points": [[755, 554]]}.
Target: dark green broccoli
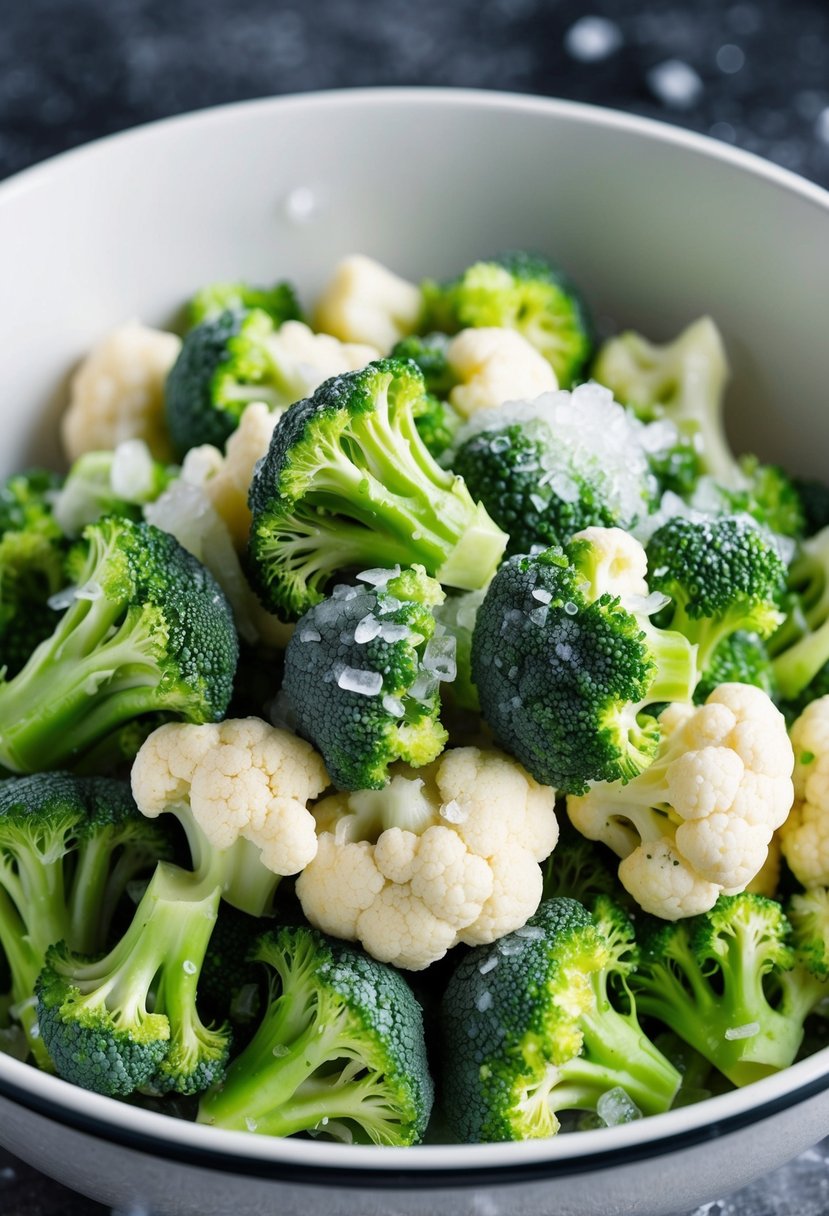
{"points": [[731, 985], [566, 661], [800, 647], [580, 869], [361, 677], [430, 353], [740, 658], [129, 1020], [69, 847], [227, 362], [32, 564], [437, 425], [148, 630], [279, 302], [348, 482], [109, 483], [546, 469], [340, 1051], [722, 575], [520, 291], [543, 1022], [677, 468], [229, 988], [814, 504]]}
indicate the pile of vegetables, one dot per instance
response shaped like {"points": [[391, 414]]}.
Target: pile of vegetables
{"points": [[414, 720]]}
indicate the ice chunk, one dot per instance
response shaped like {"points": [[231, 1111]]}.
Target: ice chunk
{"points": [[538, 616], [489, 964], [62, 600], [378, 577], [343, 592], [530, 933], [439, 657], [367, 629], [747, 1031], [484, 1002], [189, 967], [394, 706], [647, 605], [453, 812], [394, 633], [424, 687], [309, 634], [616, 1106], [542, 595], [356, 679]]}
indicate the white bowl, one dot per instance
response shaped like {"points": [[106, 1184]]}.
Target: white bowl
{"points": [[657, 226]]}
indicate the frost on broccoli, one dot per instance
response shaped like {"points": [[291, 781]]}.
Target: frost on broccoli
{"points": [[543, 1022], [146, 630], [722, 575], [547, 468], [348, 483], [340, 1051], [520, 291], [566, 661], [362, 676]]}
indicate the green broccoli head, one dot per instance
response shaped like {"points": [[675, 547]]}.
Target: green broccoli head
{"points": [[533, 1026], [128, 1020], [564, 669], [740, 658], [726, 983], [431, 354], [340, 1051], [546, 469], [279, 302], [763, 491], [808, 913], [348, 483], [68, 848], [226, 362], [677, 467], [26, 502], [722, 575], [520, 291], [362, 673], [148, 630], [109, 483]]}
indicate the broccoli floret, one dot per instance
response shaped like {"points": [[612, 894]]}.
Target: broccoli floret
{"points": [[279, 302], [68, 849], [677, 467], [763, 491], [430, 353], [438, 425], [520, 291], [129, 1020], [109, 483], [814, 504], [148, 630], [543, 1022], [565, 661], [740, 658], [580, 869], [361, 677], [546, 469], [340, 1051], [728, 983], [226, 363], [800, 647], [348, 482], [722, 575], [32, 564]]}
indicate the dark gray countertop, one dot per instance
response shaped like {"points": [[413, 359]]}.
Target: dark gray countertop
{"points": [[751, 72]]}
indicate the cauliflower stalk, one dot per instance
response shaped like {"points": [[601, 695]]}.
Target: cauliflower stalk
{"points": [[117, 393], [449, 855], [698, 822], [241, 790], [805, 834]]}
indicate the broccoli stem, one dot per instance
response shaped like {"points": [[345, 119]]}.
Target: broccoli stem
{"points": [[24, 962], [89, 907], [795, 668], [616, 1052], [708, 632], [245, 882]]}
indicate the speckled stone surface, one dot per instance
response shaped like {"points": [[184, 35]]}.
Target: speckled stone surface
{"points": [[751, 73]]}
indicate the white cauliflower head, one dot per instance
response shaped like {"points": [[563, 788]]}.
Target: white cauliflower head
{"points": [[117, 393], [805, 834], [241, 789], [493, 366], [365, 302], [699, 821], [449, 854]]}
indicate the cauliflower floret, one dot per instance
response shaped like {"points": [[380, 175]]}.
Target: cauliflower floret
{"points": [[236, 781], [117, 393], [494, 366], [226, 479], [805, 834], [700, 820], [365, 302], [432, 859]]}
